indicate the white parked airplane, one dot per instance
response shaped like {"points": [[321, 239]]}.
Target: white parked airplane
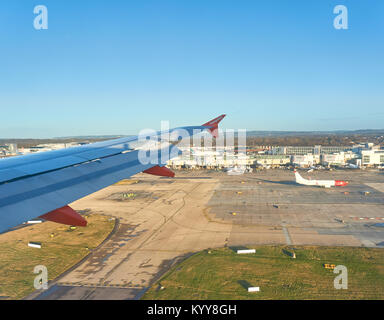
{"points": [[320, 183], [236, 170], [352, 166]]}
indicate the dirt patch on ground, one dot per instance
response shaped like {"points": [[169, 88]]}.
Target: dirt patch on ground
{"points": [[131, 195]]}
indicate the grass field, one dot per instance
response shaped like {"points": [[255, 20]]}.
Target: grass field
{"points": [[61, 249], [223, 274]]}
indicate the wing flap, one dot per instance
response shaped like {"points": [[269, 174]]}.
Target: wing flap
{"points": [[9, 174]]}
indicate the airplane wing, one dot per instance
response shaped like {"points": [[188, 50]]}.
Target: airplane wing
{"points": [[43, 184]]}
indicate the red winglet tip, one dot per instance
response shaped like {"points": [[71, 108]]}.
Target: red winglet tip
{"points": [[214, 125], [215, 121]]}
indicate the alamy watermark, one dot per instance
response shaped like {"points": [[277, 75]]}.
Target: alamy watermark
{"points": [[41, 280], [197, 145], [341, 281], [40, 22], [341, 20]]}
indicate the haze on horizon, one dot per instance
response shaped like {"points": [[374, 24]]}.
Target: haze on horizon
{"points": [[114, 68]]}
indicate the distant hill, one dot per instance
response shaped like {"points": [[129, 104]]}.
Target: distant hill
{"points": [[27, 143], [261, 133], [254, 138], [107, 137]]}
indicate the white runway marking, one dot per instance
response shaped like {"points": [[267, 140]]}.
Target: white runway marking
{"points": [[287, 236]]}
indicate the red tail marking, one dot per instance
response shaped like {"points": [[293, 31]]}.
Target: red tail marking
{"points": [[160, 171], [340, 183], [65, 215]]}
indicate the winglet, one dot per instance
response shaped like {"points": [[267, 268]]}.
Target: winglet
{"points": [[213, 125], [65, 215]]}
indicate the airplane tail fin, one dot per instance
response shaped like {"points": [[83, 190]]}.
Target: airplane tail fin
{"points": [[299, 178], [213, 125]]}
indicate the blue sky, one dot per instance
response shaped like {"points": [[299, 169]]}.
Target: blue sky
{"points": [[116, 67]]}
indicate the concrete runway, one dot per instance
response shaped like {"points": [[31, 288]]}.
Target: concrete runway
{"points": [[170, 219], [154, 233], [311, 215]]}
